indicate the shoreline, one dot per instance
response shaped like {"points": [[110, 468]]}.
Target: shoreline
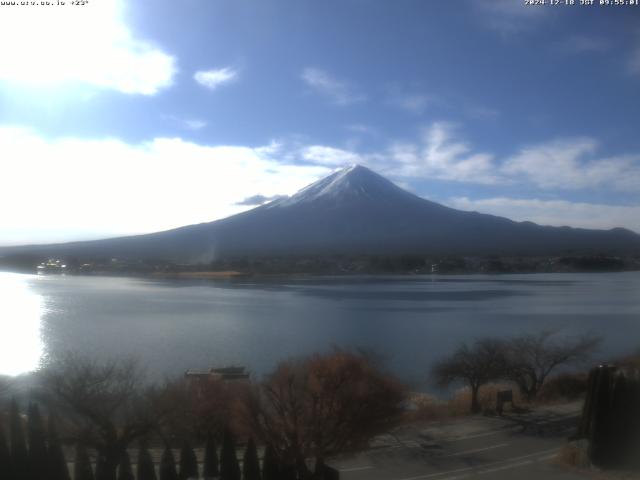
{"points": [[235, 274], [400, 266], [199, 275]]}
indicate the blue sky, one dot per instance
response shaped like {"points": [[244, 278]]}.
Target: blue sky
{"points": [[128, 117]]}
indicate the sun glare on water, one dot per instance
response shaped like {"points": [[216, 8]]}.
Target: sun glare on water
{"points": [[21, 311]]}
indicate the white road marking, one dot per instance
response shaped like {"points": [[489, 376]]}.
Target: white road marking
{"points": [[557, 419], [512, 427], [549, 457], [506, 467], [404, 444], [414, 443], [355, 469], [478, 435], [477, 450], [504, 462]]}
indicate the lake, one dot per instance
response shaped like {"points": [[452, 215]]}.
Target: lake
{"points": [[412, 320]]}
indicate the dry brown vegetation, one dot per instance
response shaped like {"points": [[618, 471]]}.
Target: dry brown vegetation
{"points": [[563, 388], [573, 456], [323, 404], [459, 404], [430, 408], [426, 408], [524, 361], [191, 409]]}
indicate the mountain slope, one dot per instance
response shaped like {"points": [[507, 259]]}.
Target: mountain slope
{"points": [[351, 211]]}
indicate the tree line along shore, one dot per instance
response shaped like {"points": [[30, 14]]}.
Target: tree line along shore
{"points": [[324, 265]]}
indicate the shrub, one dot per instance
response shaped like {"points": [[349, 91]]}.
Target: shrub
{"points": [[564, 387], [459, 404], [574, 455], [427, 408]]}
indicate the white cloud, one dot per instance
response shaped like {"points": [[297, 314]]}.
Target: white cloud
{"points": [[509, 16], [570, 164], [586, 44], [567, 164], [214, 78], [330, 156], [195, 124], [54, 46], [106, 187], [440, 155], [188, 123], [340, 92], [413, 103], [555, 212], [443, 156], [274, 147]]}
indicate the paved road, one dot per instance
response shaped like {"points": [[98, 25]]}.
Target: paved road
{"points": [[515, 446]]}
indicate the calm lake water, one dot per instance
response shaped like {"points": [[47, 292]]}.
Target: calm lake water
{"points": [[174, 325]]}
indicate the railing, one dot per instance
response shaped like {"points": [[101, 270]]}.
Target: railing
{"points": [[39, 455]]}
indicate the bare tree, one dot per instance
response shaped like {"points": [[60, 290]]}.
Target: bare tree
{"points": [[192, 409], [475, 365], [104, 403], [532, 357], [311, 407]]}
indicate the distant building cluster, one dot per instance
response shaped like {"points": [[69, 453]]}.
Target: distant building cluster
{"points": [[52, 266]]}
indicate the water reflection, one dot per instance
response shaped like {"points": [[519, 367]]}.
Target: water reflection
{"points": [[174, 325], [21, 311]]}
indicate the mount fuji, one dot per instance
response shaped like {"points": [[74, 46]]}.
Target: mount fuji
{"points": [[352, 211]]}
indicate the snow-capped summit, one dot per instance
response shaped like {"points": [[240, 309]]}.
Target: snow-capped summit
{"points": [[349, 184]]}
